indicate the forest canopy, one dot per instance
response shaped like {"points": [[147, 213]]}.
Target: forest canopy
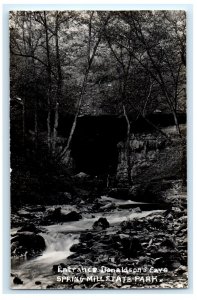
{"points": [[95, 62]]}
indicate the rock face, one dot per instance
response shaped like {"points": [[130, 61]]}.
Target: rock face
{"points": [[27, 243], [144, 149], [156, 164]]}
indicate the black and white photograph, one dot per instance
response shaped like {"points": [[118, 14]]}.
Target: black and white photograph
{"points": [[98, 149]]}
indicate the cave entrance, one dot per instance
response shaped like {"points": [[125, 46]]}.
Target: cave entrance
{"points": [[94, 146]]}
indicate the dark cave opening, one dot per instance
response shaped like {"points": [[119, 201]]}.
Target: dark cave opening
{"points": [[95, 156], [94, 146]]}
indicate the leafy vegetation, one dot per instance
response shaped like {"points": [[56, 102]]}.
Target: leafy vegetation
{"points": [[93, 62]]}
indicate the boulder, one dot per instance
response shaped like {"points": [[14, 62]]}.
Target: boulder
{"points": [[51, 286], [181, 269], [70, 217], [17, 280], [84, 237], [57, 217], [80, 248], [29, 227], [169, 243], [100, 224], [52, 217], [55, 268], [155, 191], [136, 210], [75, 247], [56, 213], [27, 243]]}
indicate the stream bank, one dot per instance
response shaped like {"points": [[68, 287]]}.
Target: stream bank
{"points": [[124, 245]]}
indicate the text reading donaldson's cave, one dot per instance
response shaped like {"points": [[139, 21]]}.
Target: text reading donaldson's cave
{"points": [[106, 274]]}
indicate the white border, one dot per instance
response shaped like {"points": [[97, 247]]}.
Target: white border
{"points": [[102, 4]]}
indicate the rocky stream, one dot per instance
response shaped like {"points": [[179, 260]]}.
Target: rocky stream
{"points": [[123, 244]]}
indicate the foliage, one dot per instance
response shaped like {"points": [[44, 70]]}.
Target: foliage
{"points": [[139, 61]]}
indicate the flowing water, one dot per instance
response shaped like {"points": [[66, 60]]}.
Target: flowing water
{"points": [[59, 238], [40, 268]]}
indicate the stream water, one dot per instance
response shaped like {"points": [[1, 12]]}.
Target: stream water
{"points": [[59, 238], [40, 268]]}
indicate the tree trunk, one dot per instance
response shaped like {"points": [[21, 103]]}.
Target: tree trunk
{"points": [[56, 122], [65, 154], [49, 86], [173, 110], [23, 123], [176, 122], [49, 123], [163, 87], [160, 81], [59, 86], [36, 125], [31, 37], [127, 146]]}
